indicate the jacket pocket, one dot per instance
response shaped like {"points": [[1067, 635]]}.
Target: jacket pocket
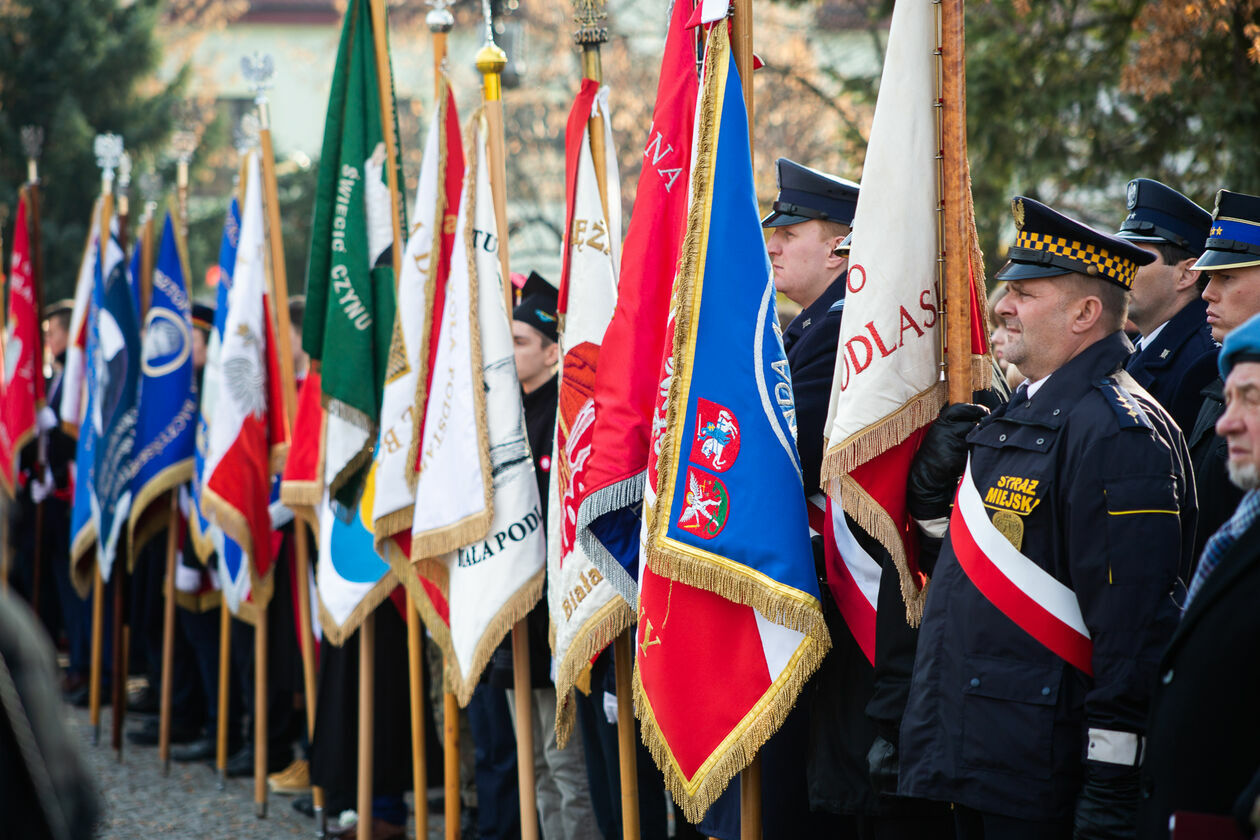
{"points": [[1008, 716]]}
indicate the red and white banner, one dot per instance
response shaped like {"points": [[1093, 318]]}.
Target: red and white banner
{"points": [[852, 573], [74, 374], [1042, 605], [249, 438], [586, 612], [887, 386], [22, 388]]}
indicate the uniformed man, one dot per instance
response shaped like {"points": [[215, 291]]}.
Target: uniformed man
{"points": [[1176, 356], [1049, 603], [1204, 742], [1232, 264], [810, 219]]}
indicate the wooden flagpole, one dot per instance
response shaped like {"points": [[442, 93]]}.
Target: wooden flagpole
{"points": [[168, 636], [490, 62], [225, 678], [742, 46], [32, 145], [118, 679], [450, 767], [954, 193], [367, 693], [590, 35]]}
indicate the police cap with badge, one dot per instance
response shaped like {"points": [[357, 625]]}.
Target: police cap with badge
{"points": [[538, 306], [1234, 239], [1049, 244], [806, 194], [1160, 215]]}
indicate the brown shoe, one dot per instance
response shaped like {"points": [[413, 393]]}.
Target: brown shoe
{"points": [[292, 780]]}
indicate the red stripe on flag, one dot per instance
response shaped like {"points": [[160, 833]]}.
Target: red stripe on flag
{"points": [[858, 613], [1014, 603]]}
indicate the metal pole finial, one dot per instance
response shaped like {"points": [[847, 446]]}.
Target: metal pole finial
{"points": [[259, 69], [590, 16], [150, 184], [124, 171], [108, 149], [439, 18], [32, 145], [491, 59]]}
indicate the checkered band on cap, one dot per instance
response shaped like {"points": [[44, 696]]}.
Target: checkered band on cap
{"points": [[1091, 259]]}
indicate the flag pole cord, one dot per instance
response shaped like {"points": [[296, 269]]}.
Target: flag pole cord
{"points": [[168, 638], [954, 225], [742, 48]]}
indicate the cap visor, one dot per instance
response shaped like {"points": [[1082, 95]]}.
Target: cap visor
{"points": [[777, 219], [1137, 237], [1028, 271], [1220, 260]]}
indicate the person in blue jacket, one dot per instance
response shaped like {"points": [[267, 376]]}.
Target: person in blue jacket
{"points": [[1051, 598]]}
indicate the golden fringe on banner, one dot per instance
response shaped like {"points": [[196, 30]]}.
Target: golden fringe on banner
{"points": [[348, 413], [668, 558], [377, 595], [869, 443], [591, 638], [471, 528]]}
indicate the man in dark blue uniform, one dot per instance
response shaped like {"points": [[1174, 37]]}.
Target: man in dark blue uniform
{"points": [[1231, 262], [1050, 601], [1176, 356]]}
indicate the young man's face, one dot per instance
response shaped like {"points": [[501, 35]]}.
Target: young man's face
{"points": [[1233, 296], [535, 358], [804, 260]]}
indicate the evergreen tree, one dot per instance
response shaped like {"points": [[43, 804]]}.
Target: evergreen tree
{"points": [[77, 68]]}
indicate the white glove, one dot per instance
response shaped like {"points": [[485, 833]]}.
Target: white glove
{"points": [[610, 707], [42, 487]]}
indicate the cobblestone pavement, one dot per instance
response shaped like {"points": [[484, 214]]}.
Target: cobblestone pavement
{"points": [[139, 802]]}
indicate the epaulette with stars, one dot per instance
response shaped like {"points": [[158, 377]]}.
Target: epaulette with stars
{"points": [[1129, 412]]}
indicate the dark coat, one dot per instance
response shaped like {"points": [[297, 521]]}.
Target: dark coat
{"points": [[1179, 363], [810, 341], [1203, 741], [1218, 497], [995, 720]]}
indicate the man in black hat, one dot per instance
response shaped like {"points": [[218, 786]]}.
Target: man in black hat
{"points": [[1048, 606], [1231, 262], [1176, 356]]}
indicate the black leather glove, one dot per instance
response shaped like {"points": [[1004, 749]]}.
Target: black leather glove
{"points": [[940, 461], [1107, 806], [883, 762]]}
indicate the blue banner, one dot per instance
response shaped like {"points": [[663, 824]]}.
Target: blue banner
{"points": [[116, 375], [165, 428]]}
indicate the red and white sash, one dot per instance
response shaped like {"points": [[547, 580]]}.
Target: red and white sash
{"points": [[852, 574], [1027, 594]]}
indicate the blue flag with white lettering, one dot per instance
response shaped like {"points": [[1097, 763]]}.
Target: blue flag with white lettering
{"points": [[166, 421], [116, 377]]}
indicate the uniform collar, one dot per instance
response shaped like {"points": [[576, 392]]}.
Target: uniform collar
{"points": [[1164, 341], [1065, 386], [817, 310]]}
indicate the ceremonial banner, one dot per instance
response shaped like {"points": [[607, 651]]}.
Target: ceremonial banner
{"points": [[74, 374], [629, 375], [115, 377], [82, 524], [249, 437], [22, 390], [887, 389], [586, 612], [352, 578], [476, 493], [417, 326], [166, 428], [350, 277], [730, 623], [203, 532]]}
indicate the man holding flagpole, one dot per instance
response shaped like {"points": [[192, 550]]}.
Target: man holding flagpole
{"points": [[1049, 603]]}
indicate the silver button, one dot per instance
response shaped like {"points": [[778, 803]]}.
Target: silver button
{"points": [[975, 682], [1001, 437], [1055, 412], [1040, 441], [1168, 677], [1045, 691]]}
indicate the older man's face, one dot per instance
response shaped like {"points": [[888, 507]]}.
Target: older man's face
{"points": [[1240, 424]]}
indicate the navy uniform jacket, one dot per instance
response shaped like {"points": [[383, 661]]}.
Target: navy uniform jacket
{"points": [[1177, 365], [1218, 496], [995, 720], [810, 341], [1203, 746]]}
